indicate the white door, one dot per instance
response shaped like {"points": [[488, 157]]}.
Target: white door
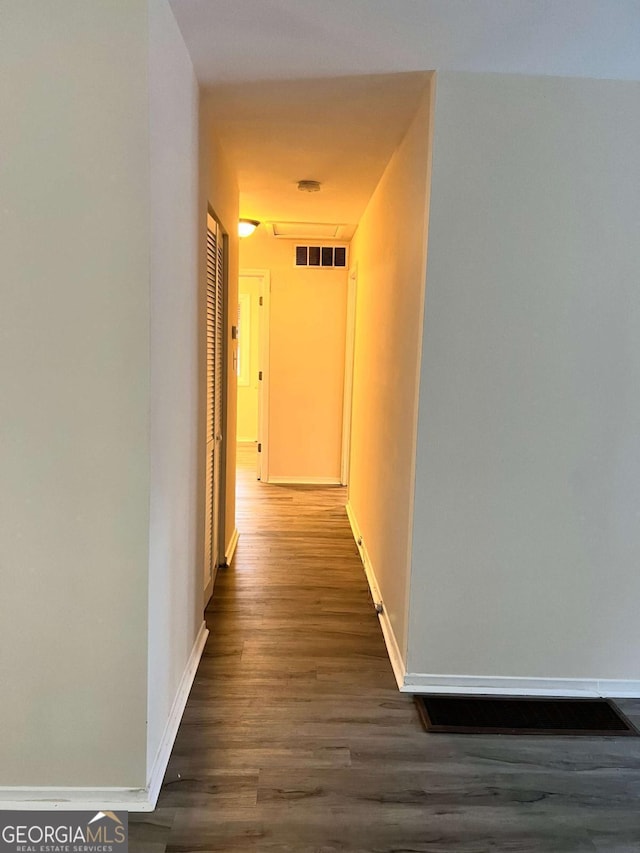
{"points": [[215, 400]]}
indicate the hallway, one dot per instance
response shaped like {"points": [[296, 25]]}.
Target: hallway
{"points": [[295, 738]]}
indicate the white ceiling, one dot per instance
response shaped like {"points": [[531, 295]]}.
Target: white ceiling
{"points": [[339, 131], [244, 40], [283, 85]]}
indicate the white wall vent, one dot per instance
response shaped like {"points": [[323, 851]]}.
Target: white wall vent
{"points": [[320, 257]]}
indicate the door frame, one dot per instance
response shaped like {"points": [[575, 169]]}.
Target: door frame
{"points": [[264, 318], [219, 558], [349, 355]]}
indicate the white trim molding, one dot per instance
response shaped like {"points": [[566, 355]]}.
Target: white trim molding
{"points": [[349, 355], [171, 729], [231, 547], [393, 648], [26, 799], [305, 481], [208, 592], [419, 682], [263, 319], [115, 799]]}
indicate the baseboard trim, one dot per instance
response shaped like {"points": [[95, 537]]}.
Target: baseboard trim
{"points": [[417, 682], [114, 799], [305, 481], [231, 547], [163, 754], [208, 592], [393, 649], [26, 799]]}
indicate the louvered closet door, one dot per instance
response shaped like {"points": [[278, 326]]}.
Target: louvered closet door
{"points": [[218, 379], [214, 403]]}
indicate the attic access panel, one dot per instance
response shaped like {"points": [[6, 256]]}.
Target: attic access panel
{"points": [[524, 715]]}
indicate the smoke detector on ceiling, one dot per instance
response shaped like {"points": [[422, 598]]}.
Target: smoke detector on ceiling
{"points": [[309, 186]]}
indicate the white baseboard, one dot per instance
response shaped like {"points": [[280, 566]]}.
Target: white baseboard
{"points": [[417, 682], [163, 754], [393, 649], [114, 799], [208, 591], [26, 799], [231, 547], [305, 481]]}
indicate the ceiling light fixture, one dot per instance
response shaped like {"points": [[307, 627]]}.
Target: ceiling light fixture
{"points": [[309, 186], [246, 227]]}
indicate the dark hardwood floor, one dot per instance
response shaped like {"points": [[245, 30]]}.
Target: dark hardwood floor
{"points": [[295, 738]]}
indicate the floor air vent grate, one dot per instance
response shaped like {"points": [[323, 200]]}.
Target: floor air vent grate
{"points": [[522, 715]]}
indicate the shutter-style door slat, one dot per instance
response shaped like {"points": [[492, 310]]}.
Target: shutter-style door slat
{"points": [[218, 380], [214, 397]]}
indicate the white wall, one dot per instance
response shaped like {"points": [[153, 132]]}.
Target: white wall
{"points": [[526, 531], [389, 250], [74, 407], [308, 310], [175, 594], [105, 175]]}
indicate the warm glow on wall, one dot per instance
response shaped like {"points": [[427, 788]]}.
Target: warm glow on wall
{"points": [[246, 227]]}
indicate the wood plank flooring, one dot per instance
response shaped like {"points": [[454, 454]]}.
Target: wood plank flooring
{"points": [[296, 740]]}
